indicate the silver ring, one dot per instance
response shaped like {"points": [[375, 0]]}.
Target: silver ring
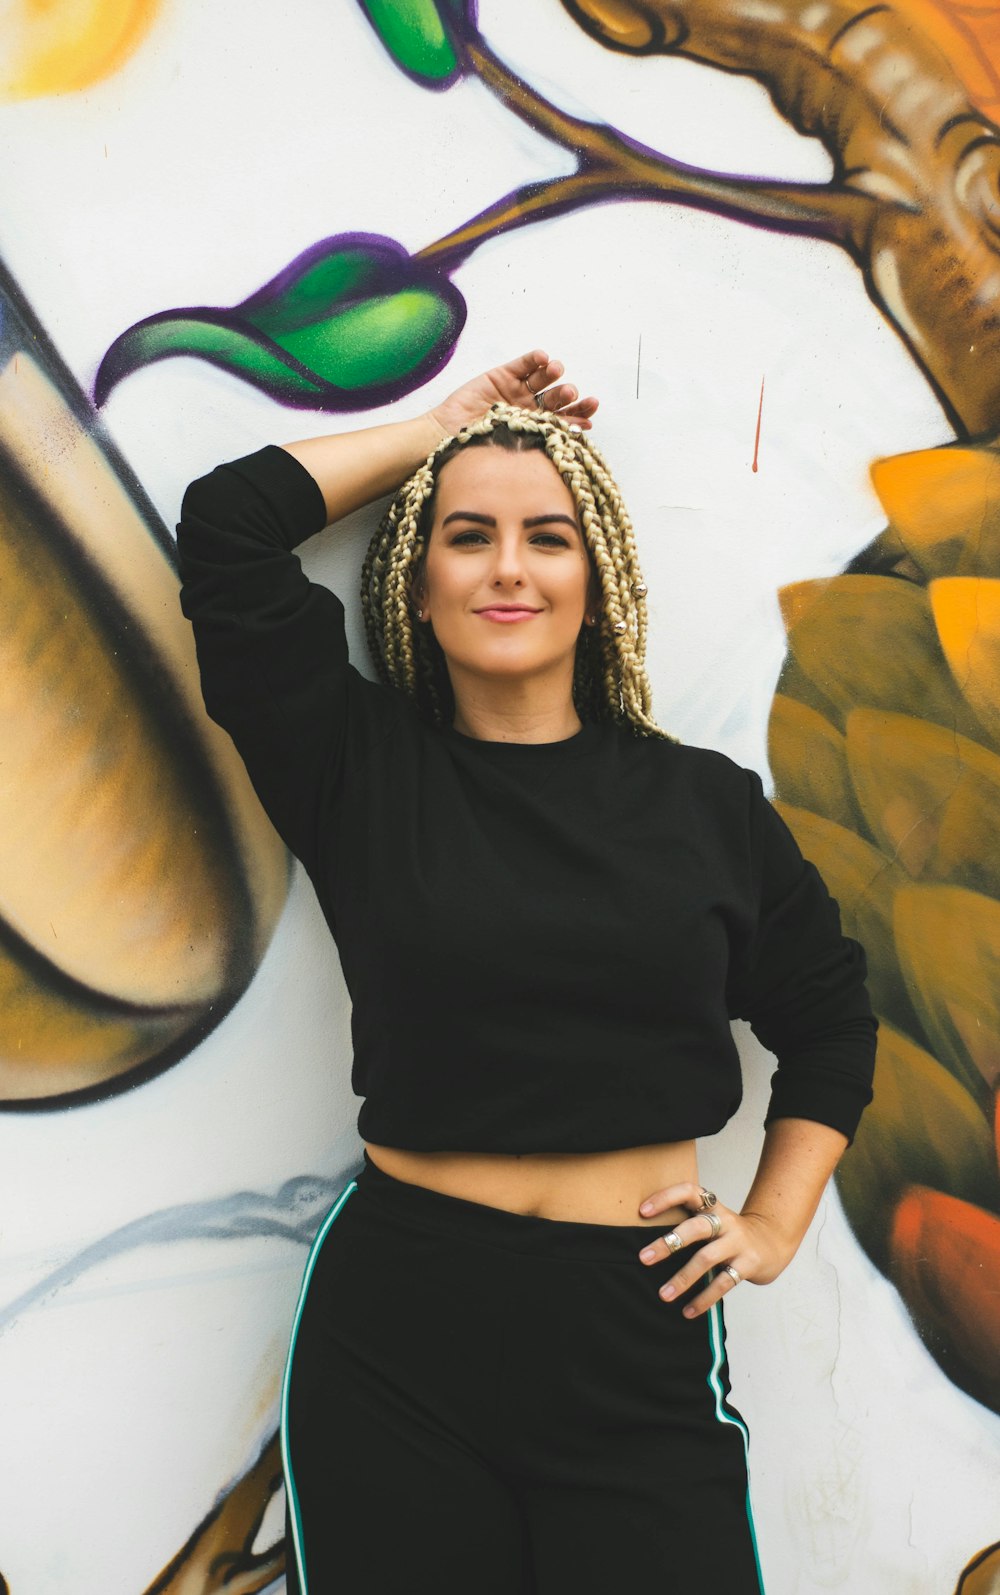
{"points": [[672, 1240], [708, 1198], [733, 1273], [716, 1223], [539, 401]]}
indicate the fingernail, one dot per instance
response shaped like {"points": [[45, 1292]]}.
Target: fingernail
{"points": [[668, 1292], [645, 1207], [649, 1254], [690, 1312]]}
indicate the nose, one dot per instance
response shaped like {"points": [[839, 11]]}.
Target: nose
{"points": [[508, 563]]}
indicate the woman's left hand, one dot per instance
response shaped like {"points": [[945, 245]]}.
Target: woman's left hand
{"points": [[747, 1242], [532, 380]]}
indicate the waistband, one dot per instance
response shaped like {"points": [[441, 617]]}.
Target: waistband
{"points": [[462, 1219]]}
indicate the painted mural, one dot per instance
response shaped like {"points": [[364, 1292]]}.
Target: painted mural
{"points": [[143, 892], [150, 828]]}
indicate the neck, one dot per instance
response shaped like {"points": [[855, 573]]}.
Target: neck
{"points": [[514, 714]]}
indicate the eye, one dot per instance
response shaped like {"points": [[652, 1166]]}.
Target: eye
{"points": [[467, 537], [551, 537]]}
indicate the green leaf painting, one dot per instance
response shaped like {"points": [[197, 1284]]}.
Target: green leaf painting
{"points": [[353, 322], [419, 35]]}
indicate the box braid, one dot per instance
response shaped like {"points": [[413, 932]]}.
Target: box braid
{"points": [[609, 677]]}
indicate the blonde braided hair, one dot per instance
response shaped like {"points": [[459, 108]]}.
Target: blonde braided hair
{"points": [[609, 678]]}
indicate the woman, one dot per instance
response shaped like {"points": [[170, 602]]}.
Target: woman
{"points": [[508, 1366]]}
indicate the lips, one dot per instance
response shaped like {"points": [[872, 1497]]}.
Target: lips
{"points": [[507, 612]]}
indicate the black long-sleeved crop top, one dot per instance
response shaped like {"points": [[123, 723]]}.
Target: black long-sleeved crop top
{"points": [[544, 943]]}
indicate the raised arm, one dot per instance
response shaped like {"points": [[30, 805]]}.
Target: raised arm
{"points": [[271, 645], [353, 468]]}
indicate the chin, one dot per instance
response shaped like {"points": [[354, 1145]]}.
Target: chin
{"points": [[515, 658]]}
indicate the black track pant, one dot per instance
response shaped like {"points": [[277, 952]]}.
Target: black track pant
{"points": [[480, 1402]]}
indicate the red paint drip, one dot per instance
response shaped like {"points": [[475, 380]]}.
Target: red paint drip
{"points": [[756, 441]]}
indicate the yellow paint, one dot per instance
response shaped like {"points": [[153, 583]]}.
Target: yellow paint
{"points": [[74, 481], [885, 735], [808, 759], [967, 614], [54, 1040], [945, 506], [137, 904], [863, 880], [851, 867], [871, 640], [930, 798], [104, 867], [921, 1127], [948, 941], [62, 46]]}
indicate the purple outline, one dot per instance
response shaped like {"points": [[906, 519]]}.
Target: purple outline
{"points": [[388, 255]]}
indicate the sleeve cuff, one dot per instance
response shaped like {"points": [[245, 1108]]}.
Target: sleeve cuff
{"points": [[827, 1096]]}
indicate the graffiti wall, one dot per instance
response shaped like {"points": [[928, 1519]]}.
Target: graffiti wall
{"points": [[767, 236]]}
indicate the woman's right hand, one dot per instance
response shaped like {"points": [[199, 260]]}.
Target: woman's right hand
{"points": [[516, 382]]}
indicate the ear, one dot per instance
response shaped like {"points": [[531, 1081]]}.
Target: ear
{"points": [[418, 591], [594, 596]]}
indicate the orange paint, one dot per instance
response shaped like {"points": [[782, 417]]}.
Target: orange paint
{"points": [[936, 498], [756, 441], [945, 1261], [969, 35]]}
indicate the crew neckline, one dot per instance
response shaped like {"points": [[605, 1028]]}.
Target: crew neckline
{"points": [[566, 747]]}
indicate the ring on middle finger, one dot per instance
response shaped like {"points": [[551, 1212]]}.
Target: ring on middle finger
{"points": [[716, 1223], [672, 1241]]}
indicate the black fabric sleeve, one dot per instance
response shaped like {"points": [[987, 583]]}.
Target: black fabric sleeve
{"points": [[272, 649], [801, 983]]}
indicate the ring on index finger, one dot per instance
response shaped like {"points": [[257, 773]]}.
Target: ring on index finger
{"points": [[708, 1198]]}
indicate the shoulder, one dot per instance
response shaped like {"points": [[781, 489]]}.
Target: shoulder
{"points": [[704, 791], [705, 770]]}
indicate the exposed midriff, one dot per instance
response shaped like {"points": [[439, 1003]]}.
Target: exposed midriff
{"points": [[582, 1187]]}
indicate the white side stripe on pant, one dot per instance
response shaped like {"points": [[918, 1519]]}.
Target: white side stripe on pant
{"points": [[293, 1500]]}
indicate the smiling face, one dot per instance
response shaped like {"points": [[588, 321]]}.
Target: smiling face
{"points": [[507, 579]]}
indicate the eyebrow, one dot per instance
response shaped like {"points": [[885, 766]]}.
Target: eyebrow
{"points": [[489, 520]]}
